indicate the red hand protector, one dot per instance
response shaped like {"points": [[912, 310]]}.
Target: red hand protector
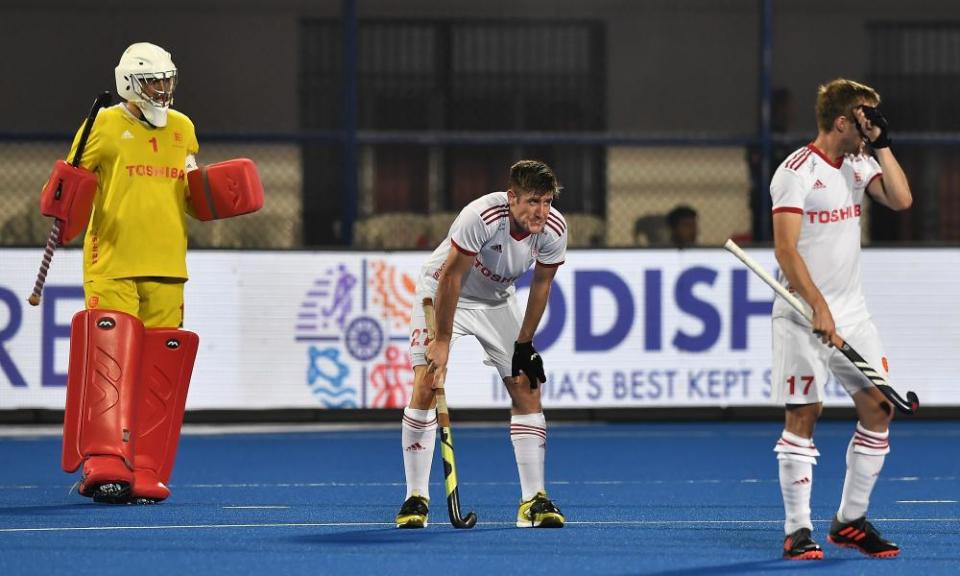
{"points": [[225, 189], [68, 196]]}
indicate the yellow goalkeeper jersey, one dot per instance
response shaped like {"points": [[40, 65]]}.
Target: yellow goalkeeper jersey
{"points": [[138, 226]]}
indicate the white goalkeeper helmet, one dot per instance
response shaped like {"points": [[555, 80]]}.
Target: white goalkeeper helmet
{"points": [[147, 77]]}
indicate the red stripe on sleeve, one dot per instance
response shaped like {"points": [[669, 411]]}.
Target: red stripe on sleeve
{"points": [[552, 226], [789, 209], [491, 209], [553, 218], [875, 176], [539, 263], [461, 249], [491, 218]]}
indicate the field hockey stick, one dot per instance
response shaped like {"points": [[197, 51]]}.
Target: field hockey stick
{"points": [[53, 238], [908, 406], [446, 436]]}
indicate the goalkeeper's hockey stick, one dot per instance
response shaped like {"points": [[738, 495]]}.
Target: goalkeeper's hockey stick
{"points": [[446, 437], [908, 406], [53, 237]]}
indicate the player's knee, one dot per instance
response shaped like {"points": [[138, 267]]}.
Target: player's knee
{"points": [[876, 416], [423, 393], [422, 399], [885, 414], [526, 405], [519, 388], [873, 410], [421, 378], [802, 419]]}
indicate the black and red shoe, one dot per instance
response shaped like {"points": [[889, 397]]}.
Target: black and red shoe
{"points": [[800, 546], [861, 535]]}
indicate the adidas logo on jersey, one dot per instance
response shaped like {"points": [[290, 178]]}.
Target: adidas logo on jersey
{"points": [[415, 447], [818, 185], [126, 135], [497, 248]]}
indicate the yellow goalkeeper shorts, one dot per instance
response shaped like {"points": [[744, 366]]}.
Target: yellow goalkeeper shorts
{"points": [[157, 302]]}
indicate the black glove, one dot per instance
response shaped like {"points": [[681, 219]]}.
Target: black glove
{"points": [[526, 360], [876, 118]]}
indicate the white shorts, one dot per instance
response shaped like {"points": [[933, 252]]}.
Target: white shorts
{"points": [[802, 363], [496, 329]]}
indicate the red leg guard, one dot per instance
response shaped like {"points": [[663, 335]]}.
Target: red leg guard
{"points": [[100, 409], [166, 367]]}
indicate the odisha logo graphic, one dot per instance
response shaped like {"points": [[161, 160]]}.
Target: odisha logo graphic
{"points": [[356, 318], [364, 338], [391, 381], [325, 376]]}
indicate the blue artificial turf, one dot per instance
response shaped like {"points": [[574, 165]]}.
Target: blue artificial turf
{"points": [[662, 498]]}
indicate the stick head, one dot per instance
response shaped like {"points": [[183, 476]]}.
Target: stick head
{"points": [[914, 401], [34, 300], [465, 523]]}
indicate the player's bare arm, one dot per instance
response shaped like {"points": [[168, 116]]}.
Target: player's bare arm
{"points": [[537, 301], [892, 189], [527, 363], [786, 235], [445, 303]]}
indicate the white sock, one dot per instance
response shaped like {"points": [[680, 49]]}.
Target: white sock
{"points": [[419, 436], [796, 484], [529, 436], [865, 455], [796, 456]]}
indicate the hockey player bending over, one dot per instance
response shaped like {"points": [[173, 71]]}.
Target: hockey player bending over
{"points": [[470, 278]]}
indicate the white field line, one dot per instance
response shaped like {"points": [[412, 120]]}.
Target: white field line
{"points": [[602, 523], [247, 485]]}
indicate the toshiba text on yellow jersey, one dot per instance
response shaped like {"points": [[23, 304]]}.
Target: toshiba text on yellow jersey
{"points": [[138, 226]]}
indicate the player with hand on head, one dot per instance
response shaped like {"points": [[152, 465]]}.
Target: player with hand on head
{"points": [[817, 196], [130, 363], [470, 278]]}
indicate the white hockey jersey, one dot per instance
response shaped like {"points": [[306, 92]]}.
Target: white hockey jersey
{"points": [[828, 195], [482, 230]]}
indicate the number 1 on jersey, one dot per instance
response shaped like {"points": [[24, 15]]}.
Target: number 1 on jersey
{"points": [[153, 142]]}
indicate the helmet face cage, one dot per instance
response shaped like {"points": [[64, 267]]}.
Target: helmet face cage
{"points": [[147, 77], [155, 88]]}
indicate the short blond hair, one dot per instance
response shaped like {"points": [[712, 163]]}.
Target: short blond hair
{"points": [[535, 177], [839, 97]]}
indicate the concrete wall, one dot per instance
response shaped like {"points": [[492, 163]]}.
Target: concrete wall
{"points": [[673, 65]]}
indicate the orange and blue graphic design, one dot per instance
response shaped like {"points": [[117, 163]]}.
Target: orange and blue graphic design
{"points": [[356, 319]]}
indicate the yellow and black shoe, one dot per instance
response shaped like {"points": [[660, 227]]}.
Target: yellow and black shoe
{"points": [[539, 512], [413, 513]]}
